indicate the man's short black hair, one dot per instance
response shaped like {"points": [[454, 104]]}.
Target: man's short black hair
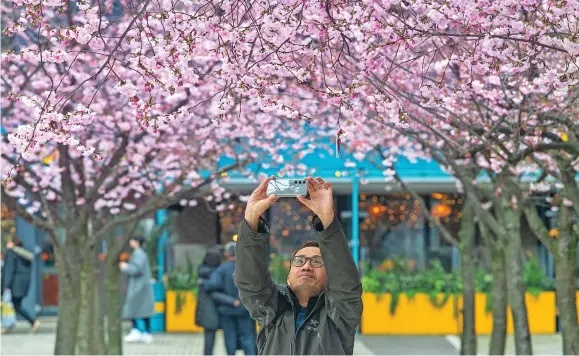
{"points": [[310, 243]]}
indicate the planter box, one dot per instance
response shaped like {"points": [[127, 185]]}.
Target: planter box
{"points": [[541, 311], [412, 316], [184, 321], [417, 315]]}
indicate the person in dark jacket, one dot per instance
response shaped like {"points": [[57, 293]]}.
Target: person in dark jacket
{"points": [[206, 314], [16, 273], [238, 327], [320, 308]]}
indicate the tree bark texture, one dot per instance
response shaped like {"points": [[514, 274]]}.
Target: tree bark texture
{"points": [[515, 281], [498, 297], [566, 280], [114, 306], [69, 302], [85, 341], [468, 345], [99, 319], [499, 303]]}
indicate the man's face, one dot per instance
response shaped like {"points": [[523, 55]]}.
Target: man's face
{"points": [[307, 277], [133, 243]]}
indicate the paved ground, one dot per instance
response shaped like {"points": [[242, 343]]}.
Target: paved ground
{"points": [[542, 345], [408, 345], [20, 342]]}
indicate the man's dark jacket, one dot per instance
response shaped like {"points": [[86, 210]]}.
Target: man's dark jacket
{"points": [[331, 326]]}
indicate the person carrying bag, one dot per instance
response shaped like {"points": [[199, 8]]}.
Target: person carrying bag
{"points": [[16, 278]]}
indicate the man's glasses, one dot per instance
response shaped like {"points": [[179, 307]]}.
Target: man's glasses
{"points": [[315, 261]]}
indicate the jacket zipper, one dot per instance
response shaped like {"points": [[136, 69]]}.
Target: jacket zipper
{"points": [[306, 319], [321, 344]]}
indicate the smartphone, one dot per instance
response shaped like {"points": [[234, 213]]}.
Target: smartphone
{"points": [[287, 187]]}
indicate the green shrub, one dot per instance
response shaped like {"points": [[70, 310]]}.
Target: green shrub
{"points": [[397, 277]]}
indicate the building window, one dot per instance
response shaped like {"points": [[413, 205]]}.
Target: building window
{"points": [[392, 228], [230, 220], [447, 208]]}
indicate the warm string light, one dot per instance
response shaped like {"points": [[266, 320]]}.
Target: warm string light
{"points": [[6, 213], [7, 217], [400, 208], [297, 219]]}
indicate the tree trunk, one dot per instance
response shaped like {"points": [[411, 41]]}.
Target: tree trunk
{"points": [[68, 303], [498, 295], [468, 343], [114, 306], [499, 303], [565, 281], [86, 341], [99, 315], [515, 282]]}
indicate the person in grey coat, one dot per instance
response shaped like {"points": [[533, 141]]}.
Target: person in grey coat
{"points": [[139, 300], [16, 273], [320, 308]]}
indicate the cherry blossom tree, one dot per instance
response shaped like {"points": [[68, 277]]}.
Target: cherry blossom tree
{"points": [[485, 86]]}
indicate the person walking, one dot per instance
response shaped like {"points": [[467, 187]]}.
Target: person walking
{"points": [[206, 314], [238, 327], [16, 274], [139, 300], [320, 308]]}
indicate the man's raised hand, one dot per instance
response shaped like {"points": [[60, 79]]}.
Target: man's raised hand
{"points": [[321, 200], [258, 203]]}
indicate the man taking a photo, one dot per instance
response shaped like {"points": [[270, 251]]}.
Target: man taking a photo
{"points": [[320, 309]]}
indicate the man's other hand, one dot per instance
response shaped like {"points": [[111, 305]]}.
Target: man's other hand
{"points": [[321, 200], [258, 203]]}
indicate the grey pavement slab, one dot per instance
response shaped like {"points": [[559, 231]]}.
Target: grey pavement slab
{"points": [[21, 342], [450, 345], [408, 345], [542, 345]]}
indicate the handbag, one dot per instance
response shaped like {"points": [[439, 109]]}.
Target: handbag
{"points": [[8, 312]]}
